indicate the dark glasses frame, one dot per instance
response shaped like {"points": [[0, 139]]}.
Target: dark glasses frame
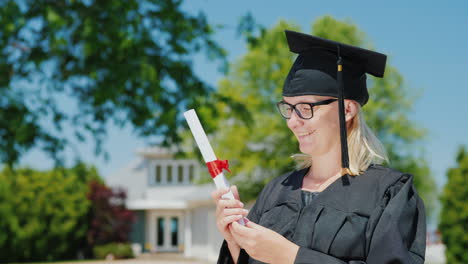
{"points": [[281, 103]]}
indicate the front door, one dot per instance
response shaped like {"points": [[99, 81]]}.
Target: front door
{"points": [[168, 228]]}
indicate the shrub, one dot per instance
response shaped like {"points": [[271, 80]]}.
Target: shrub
{"points": [[109, 220], [43, 214], [118, 250]]}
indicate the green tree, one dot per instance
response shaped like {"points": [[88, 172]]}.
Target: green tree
{"points": [[109, 219], [260, 150], [44, 215], [126, 62], [454, 214]]}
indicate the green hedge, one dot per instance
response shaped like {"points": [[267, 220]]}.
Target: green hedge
{"points": [[43, 214], [118, 250]]}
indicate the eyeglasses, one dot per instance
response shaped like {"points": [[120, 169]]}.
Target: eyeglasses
{"points": [[303, 110]]}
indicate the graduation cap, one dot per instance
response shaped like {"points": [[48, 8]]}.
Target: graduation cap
{"points": [[329, 68]]}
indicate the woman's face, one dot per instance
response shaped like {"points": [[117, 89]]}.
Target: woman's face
{"points": [[321, 133]]}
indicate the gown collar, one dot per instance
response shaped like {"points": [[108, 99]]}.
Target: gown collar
{"points": [[293, 188]]}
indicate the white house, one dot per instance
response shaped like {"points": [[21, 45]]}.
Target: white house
{"points": [[173, 214]]}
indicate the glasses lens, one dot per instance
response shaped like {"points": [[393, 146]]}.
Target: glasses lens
{"points": [[305, 110], [284, 109]]}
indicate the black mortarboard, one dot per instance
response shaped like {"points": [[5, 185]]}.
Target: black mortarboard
{"points": [[329, 68]]}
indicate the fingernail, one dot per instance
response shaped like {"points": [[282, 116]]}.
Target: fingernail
{"points": [[245, 211], [241, 204]]}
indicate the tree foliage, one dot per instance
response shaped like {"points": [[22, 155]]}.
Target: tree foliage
{"points": [[109, 220], [261, 150], [85, 63], [43, 215], [454, 214]]}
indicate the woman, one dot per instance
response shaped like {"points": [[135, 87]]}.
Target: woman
{"points": [[337, 207]]}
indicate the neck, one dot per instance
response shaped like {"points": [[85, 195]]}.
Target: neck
{"points": [[325, 166]]}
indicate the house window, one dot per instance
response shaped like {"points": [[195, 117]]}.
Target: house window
{"points": [[180, 174], [191, 173], [169, 174], [158, 174]]}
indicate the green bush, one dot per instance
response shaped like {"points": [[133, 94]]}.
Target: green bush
{"points": [[118, 250], [43, 214], [454, 215]]}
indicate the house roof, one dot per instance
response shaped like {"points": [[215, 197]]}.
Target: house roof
{"points": [[156, 152]]}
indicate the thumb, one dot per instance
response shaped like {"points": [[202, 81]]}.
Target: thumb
{"points": [[235, 192], [253, 225]]}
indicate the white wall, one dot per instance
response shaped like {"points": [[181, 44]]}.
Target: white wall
{"points": [[132, 178], [214, 237], [206, 240]]}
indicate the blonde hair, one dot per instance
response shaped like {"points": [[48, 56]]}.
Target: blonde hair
{"points": [[364, 148]]}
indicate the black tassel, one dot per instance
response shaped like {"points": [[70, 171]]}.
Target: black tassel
{"points": [[341, 110]]}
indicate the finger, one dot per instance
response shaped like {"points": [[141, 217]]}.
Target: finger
{"points": [[235, 192], [230, 204], [216, 194], [235, 211], [223, 204], [252, 225], [241, 230], [230, 219], [239, 240]]}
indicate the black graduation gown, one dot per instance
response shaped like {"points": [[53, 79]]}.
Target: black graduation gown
{"points": [[376, 217]]}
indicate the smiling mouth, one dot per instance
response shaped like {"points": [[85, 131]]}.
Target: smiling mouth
{"points": [[305, 134]]}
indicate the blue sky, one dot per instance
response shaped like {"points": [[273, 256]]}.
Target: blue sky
{"points": [[425, 40]]}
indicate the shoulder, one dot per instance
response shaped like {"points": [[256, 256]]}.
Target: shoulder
{"points": [[279, 187], [369, 190], [390, 182], [381, 178], [289, 180]]}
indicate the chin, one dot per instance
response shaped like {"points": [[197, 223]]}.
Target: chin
{"points": [[309, 150]]}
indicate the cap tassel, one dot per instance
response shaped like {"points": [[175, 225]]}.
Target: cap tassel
{"points": [[341, 111]]}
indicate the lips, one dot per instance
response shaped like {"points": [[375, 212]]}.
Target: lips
{"points": [[304, 134]]}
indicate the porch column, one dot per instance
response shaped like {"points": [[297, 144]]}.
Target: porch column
{"points": [[188, 234]]}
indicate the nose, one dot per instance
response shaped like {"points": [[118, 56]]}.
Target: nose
{"points": [[294, 121]]}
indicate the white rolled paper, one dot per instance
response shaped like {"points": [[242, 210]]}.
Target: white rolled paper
{"points": [[199, 135], [207, 151]]}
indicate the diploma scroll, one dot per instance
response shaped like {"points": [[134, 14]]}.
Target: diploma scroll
{"points": [[215, 166]]}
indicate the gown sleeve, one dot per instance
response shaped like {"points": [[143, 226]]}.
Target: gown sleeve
{"points": [[400, 234], [398, 228]]}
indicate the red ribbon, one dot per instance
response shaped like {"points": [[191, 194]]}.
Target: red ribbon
{"points": [[216, 167]]}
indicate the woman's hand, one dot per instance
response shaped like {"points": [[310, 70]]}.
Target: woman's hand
{"points": [[227, 212], [264, 244]]}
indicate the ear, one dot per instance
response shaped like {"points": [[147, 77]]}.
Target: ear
{"points": [[351, 109]]}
